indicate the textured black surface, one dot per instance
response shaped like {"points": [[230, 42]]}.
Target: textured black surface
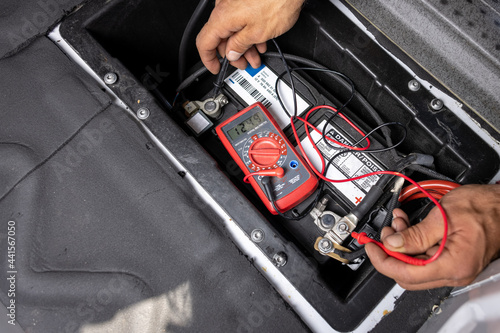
{"points": [[39, 108], [105, 227], [406, 318], [22, 21]]}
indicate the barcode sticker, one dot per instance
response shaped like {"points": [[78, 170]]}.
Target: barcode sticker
{"points": [[254, 93], [257, 85]]}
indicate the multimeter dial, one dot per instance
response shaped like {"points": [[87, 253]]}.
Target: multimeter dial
{"points": [[257, 144], [264, 151]]}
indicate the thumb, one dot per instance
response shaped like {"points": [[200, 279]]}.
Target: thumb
{"points": [[418, 238], [238, 44]]}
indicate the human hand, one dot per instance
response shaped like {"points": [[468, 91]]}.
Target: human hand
{"points": [[239, 30], [473, 213]]}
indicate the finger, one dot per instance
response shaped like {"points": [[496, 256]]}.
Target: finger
{"points": [[399, 213], [418, 238], [211, 36], [432, 251], [386, 231], [240, 42], [207, 43], [253, 57], [240, 63], [261, 47], [221, 48], [398, 224], [405, 273]]}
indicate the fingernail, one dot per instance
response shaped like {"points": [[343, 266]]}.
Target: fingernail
{"points": [[395, 240], [233, 55]]}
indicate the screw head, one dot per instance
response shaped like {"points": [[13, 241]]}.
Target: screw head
{"points": [[436, 104], [327, 221], [280, 259], [436, 309], [110, 78], [257, 235], [325, 245], [143, 113], [414, 85], [210, 106], [342, 227]]}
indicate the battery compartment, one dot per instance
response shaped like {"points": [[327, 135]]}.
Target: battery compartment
{"points": [[140, 40]]}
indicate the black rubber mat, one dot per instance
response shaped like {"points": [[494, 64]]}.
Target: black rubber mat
{"points": [[22, 21]]}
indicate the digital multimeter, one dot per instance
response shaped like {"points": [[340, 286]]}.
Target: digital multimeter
{"points": [[257, 144]]}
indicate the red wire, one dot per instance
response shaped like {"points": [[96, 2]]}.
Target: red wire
{"points": [[363, 238], [437, 196], [440, 186], [368, 143], [278, 172]]}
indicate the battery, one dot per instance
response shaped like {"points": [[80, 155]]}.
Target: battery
{"points": [[251, 85]]}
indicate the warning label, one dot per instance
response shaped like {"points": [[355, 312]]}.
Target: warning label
{"points": [[258, 84], [344, 166]]}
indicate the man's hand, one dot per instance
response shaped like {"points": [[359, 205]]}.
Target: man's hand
{"points": [[238, 29], [473, 213]]}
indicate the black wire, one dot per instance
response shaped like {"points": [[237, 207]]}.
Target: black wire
{"points": [[322, 182], [391, 205], [323, 70], [193, 77], [219, 82], [329, 121], [287, 68], [429, 172], [366, 105], [380, 150], [188, 31]]}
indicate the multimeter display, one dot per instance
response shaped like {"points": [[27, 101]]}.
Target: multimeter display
{"points": [[257, 144], [246, 125]]}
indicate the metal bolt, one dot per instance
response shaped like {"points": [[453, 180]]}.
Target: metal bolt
{"points": [[325, 245], [210, 106], [436, 309], [342, 227], [280, 259], [143, 113], [414, 85], [327, 221], [110, 78], [436, 104], [223, 100], [257, 235]]}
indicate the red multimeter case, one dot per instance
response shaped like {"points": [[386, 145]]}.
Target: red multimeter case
{"points": [[256, 143]]}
